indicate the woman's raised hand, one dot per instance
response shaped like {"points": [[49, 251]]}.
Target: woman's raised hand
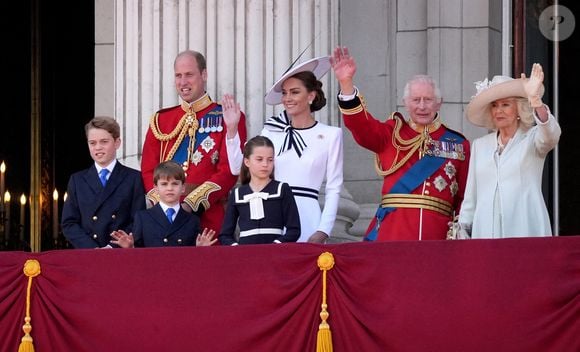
{"points": [[231, 113], [533, 86]]}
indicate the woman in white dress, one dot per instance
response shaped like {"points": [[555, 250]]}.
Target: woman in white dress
{"points": [[503, 196], [308, 152]]}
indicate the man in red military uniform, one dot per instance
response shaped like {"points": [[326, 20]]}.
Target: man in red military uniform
{"points": [[424, 163], [193, 135]]}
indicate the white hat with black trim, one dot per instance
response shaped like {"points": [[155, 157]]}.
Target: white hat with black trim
{"points": [[318, 66]]}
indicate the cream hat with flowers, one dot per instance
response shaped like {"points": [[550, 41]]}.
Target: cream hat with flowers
{"points": [[500, 87], [319, 66]]}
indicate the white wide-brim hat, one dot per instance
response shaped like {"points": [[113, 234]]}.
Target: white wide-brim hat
{"points": [[318, 66], [500, 87]]}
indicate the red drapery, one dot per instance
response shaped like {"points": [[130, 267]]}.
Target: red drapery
{"points": [[478, 295]]}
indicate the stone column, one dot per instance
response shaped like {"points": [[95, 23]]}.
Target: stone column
{"points": [[248, 44], [348, 213]]}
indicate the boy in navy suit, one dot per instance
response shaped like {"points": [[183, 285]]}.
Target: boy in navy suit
{"points": [[166, 223], [104, 197]]}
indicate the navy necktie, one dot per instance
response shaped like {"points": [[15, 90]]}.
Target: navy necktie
{"points": [[103, 176], [170, 212]]}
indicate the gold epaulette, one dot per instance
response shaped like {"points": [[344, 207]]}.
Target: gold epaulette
{"points": [[153, 196], [200, 195]]}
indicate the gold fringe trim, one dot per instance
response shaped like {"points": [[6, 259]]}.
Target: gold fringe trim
{"points": [[200, 195], [31, 269], [153, 196], [324, 337]]}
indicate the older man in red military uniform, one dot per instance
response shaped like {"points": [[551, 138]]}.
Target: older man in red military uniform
{"points": [[193, 135], [424, 163]]}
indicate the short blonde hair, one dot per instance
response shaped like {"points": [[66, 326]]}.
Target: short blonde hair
{"points": [[525, 112]]}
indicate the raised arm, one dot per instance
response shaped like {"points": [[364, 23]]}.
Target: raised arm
{"points": [[232, 114], [344, 68], [533, 87]]}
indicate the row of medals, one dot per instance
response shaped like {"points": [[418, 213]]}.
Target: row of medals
{"points": [[210, 124], [444, 149], [207, 124]]}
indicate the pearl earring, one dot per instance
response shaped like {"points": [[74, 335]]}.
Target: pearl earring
{"points": [[310, 102]]}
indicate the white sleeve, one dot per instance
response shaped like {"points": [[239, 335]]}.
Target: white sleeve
{"points": [[334, 179], [347, 97], [467, 211], [548, 133], [235, 156]]}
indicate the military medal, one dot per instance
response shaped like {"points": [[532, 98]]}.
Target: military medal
{"points": [[220, 127], [213, 125], [454, 187], [440, 183], [196, 157], [208, 144], [201, 129], [215, 157], [444, 149]]}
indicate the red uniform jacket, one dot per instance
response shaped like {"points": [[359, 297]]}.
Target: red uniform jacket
{"points": [[208, 170], [447, 183]]}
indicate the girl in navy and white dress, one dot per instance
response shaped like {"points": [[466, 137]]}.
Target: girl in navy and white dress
{"points": [[263, 208], [308, 152]]}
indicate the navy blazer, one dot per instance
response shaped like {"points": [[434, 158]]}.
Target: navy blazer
{"points": [[152, 228], [91, 212]]}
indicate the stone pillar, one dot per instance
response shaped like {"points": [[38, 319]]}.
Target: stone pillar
{"points": [[248, 44], [348, 213]]}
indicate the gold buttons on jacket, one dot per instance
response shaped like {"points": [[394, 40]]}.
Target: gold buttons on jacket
{"points": [[179, 241], [426, 191], [113, 216], [95, 218], [428, 184], [95, 236], [165, 240]]}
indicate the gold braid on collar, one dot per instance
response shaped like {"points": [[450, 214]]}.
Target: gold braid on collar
{"points": [[196, 106], [188, 123], [401, 144]]}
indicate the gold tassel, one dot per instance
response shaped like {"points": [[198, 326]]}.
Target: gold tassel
{"points": [[31, 269], [324, 337]]}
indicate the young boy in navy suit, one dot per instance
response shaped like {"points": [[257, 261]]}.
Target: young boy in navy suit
{"points": [[166, 223], [104, 197]]}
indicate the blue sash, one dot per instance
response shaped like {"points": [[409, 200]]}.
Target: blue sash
{"points": [[415, 176], [180, 155]]}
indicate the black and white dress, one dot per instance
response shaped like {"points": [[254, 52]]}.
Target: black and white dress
{"points": [[267, 216], [305, 157]]}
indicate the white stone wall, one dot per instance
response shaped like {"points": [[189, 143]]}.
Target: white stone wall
{"points": [[248, 45]]}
